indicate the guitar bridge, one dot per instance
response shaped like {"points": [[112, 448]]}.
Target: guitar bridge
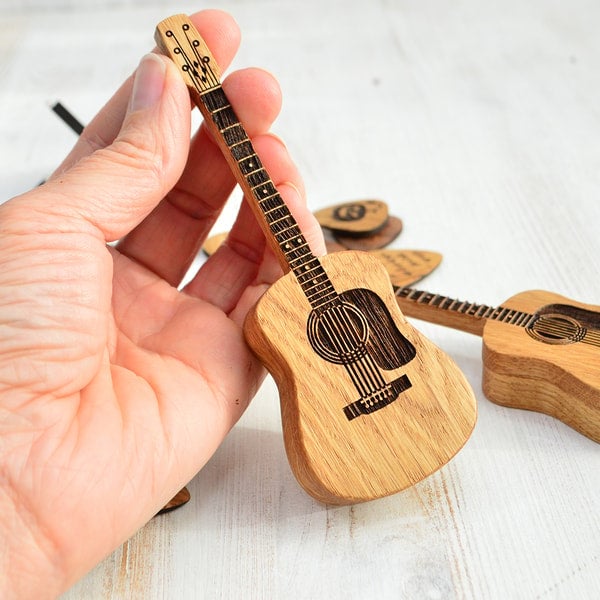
{"points": [[378, 399]]}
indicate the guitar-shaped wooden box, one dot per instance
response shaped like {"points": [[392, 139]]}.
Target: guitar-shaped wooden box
{"points": [[541, 351], [369, 406]]}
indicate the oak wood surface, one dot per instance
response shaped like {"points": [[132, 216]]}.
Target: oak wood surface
{"points": [[478, 122], [541, 351], [561, 380], [341, 461], [356, 217], [374, 240]]}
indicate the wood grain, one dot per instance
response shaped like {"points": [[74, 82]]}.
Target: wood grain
{"points": [[406, 267], [561, 380], [373, 240], [541, 351], [358, 217], [340, 461]]}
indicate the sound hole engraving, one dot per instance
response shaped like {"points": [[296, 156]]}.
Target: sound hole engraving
{"points": [[556, 329], [350, 212], [356, 330], [339, 333]]}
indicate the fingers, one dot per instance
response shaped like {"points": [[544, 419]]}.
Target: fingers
{"points": [[223, 37], [169, 239], [114, 188]]}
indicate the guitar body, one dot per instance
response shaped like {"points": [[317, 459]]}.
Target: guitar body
{"points": [[346, 441], [558, 375]]}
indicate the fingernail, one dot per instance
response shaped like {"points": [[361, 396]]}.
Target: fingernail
{"points": [[148, 83]]}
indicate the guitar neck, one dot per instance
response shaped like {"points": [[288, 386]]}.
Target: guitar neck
{"points": [[177, 38], [464, 316]]}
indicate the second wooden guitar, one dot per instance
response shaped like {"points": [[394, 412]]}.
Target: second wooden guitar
{"points": [[541, 351], [369, 406]]}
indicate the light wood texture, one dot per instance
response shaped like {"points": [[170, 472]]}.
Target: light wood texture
{"points": [[338, 460], [369, 407], [357, 217], [560, 379], [478, 123], [406, 267], [374, 240], [441, 310], [181, 498], [541, 351], [213, 242]]}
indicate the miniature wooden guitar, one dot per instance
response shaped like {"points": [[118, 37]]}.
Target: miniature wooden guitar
{"points": [[369, 406], [541, 351]]}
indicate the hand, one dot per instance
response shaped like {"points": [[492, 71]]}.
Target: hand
{"points": [[115, 387]]}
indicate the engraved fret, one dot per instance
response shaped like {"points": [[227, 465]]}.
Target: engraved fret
{"points": [[315, 286], [502, 314], [482, 311], [297, 257], [242, 150], [318, 277], [258, 178], [516, 316], [324, 299], [283, 225], [225, 118], [489, 312], [234, 135], [264, 190], [271, 203], [215, 99], [466, 308], [522, 318], [249, 164], [277, 214], [447, 303], [473, 309], [437, 300], [202, 76]]}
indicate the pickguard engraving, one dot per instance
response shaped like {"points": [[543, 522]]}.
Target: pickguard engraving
{"points": [[358, 332]]}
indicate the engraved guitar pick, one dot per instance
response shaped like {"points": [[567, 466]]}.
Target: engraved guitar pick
{"points": [[360, 217]]}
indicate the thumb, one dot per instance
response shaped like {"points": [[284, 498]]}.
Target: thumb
{"points": [[115, 187]]}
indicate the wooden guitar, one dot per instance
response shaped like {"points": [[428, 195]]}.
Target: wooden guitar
{"points": [[369, 406], [541, 351]]}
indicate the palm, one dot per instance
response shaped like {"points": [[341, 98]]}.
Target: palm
{"points": [[115, 387], [138, 400]]}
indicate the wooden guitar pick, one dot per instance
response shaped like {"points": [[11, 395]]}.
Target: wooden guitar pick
{"points": [[213, 242], [407, 265], [375, 240], [361, 217], [182, 497]]}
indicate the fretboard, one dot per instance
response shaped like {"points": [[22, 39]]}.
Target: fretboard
{"points": [[458, 314], [177, 37]]}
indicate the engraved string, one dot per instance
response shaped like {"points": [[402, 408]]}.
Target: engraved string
{"points": [[370, 377]]}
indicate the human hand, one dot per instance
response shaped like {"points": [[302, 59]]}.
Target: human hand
{"points": [[115, 387]]}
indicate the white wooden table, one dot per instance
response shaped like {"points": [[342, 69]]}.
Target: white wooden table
{"points": [[479, 123]]}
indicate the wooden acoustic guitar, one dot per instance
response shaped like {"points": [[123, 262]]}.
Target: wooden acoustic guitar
{"points": [[541, 351], [369, 406]]}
